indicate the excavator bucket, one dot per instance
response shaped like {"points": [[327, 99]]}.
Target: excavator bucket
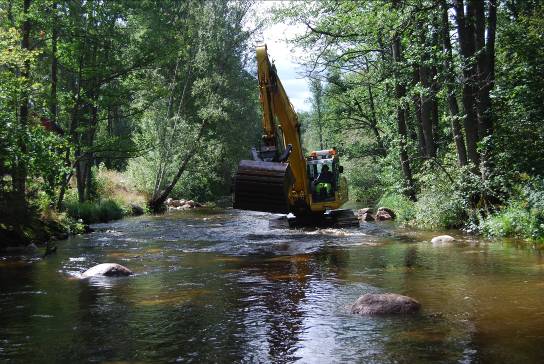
{"points": [[262, 186]]}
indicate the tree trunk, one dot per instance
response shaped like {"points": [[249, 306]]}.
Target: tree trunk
{"points": [[91, 155], [418, 124], [400, 93], [485, 122], [54, 61], [20, 170], [465, 29], [449, 72], [156, 204], [65, 180], [374, 121], [319, 121], [490, 42], [435, 114], [426, 111], [426, 98]]}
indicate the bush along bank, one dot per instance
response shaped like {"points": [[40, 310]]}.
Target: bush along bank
{"points": [[37, 228], [91, 212], [447, 205]]}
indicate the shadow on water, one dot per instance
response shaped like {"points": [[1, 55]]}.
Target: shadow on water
{"points": [[220, 286]]}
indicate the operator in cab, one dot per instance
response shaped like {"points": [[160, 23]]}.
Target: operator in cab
{"points": [[323, 182]]}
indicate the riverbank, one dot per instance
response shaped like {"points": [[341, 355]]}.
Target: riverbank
{"points": [[114, 198], [35, 228], [520, 216]]}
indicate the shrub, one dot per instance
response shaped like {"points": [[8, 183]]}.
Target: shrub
{"points": [[523, 216], [109, 210], [439, 206], [365, 185], [93, 212], [513, 221], [400, 204]]}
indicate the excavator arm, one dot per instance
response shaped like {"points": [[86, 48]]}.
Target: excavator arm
{"points": [[276, 106], [276, 179]]}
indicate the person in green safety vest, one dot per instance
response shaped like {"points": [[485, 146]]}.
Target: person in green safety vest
{"points": [[323, 182]]}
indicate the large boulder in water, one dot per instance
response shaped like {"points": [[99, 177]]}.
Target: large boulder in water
{"points": [[385, 304], [107, 270]]}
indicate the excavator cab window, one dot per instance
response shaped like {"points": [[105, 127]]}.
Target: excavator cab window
{"points": [[323, 184]]}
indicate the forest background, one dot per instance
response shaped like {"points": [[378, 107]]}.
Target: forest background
{"points": [[435, 106]]}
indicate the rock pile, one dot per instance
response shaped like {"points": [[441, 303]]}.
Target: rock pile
{"points": [[179, 205], [383, 214]]}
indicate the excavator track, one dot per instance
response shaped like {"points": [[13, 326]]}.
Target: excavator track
{"points": [[335, 219], [262, 186]]}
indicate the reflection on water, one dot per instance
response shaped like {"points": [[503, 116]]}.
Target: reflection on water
{"points": [[219, 286]]}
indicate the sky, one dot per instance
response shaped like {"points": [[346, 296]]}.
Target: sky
{"points": [[284, 57]]}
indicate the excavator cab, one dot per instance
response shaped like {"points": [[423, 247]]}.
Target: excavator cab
{"points": [[323, 163]]}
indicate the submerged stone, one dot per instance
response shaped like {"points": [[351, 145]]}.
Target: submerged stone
{"points": [[385, 304], [442, 239], [107, 270]]}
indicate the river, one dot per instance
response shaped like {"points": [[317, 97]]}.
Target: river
{"points": [[221, 286]]}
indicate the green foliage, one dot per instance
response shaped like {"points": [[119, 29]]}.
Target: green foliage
{"points": [[520, 86], [206, 117], [93, 212], [523, 217], [440, 205], [513, 221], [104, 82], [157, 88], [348, 46], [400, 204], [364, 178]]}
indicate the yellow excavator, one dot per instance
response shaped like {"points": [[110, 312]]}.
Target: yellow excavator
{"points": [[279, 178]]}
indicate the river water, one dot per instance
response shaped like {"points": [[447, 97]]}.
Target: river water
{"points": [[220, 286]]}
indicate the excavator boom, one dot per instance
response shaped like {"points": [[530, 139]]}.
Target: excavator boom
{"points": [[275, 181]]}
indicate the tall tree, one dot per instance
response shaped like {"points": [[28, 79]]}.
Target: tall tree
{"points": [[400, 93], [449, 80], [465, 30], [317, 102]]}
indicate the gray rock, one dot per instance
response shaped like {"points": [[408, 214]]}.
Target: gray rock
{"points": [[388, 211], [365, 214], [137, 210], [383, 215], [442, 239], [366, 217], [385, 304], [366, 210], [31, 247], [107, 270]]}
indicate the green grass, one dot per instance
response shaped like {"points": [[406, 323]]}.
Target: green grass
{"points": [[93, 212], [514, 221], [401, 205]]}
